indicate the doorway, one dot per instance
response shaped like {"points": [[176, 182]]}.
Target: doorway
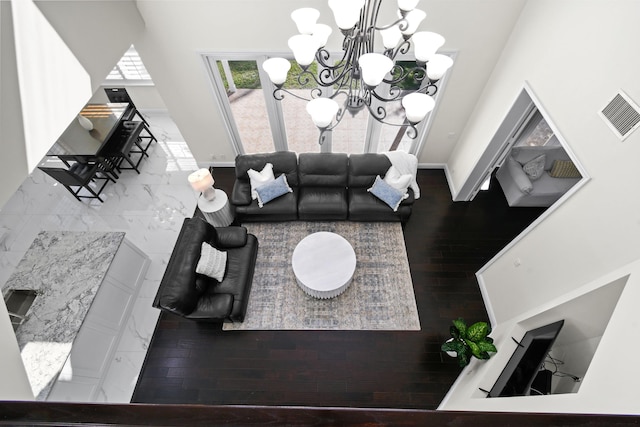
{"points": [[527, 129]]}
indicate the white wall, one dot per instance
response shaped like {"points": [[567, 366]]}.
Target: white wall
{"points": [[53, 84], [47, 79], [575, 55], [15, 169], [477, 29]]}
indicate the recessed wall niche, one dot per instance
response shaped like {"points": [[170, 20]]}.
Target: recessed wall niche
{"points": [[585, 320]]}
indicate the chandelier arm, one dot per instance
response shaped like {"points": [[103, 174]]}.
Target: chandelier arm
{"points": [[402, 24], [430, 89], [323, 131], [394, 94], [381, 115], [323, 55], [279, 92]]}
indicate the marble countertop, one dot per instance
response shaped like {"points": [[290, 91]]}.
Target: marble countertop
{"points": [[65, 268]]}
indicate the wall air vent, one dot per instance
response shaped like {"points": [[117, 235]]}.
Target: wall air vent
{"points": [[622, 115]]}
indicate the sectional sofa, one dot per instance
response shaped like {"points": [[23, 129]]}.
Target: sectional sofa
{"points": [[325, 187]]}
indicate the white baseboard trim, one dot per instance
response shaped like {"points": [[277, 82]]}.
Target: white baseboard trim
{"points": [[217, 164], [432, 165]]}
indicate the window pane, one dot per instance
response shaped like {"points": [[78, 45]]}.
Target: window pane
{"points": [[247, 102], [302, 134], [129, 67], [349, 135]]}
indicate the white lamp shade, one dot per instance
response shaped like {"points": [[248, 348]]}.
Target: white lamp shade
{"points": [[425, 44], [321, 33], [201, 180], [413, 18], [374, 67], [391, 36], [304, 48], [305, 19], [438, 65], [277, 69], [322, 111], [346, 12], [417, 106], [407, 5]]}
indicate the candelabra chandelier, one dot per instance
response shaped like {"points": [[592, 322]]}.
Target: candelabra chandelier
{"points": [[364, 78]]}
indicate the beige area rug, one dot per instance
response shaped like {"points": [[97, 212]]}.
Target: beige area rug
{"points": [[380, 296]]}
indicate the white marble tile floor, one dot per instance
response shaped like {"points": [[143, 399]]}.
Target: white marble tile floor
{"points": [[149, 208]]}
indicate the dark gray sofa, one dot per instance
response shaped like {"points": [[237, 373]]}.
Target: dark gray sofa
{"points": [[326, 187]]}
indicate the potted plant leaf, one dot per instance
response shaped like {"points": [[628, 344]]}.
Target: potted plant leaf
{"points": [[470, 341]]}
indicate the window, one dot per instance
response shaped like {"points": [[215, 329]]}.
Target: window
{"points": [[130, 68]]}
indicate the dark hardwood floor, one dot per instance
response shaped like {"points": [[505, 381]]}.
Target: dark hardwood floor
{"points": [[446, 244]]}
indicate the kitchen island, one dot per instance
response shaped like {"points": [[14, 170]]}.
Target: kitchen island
{"points": [[85, 284]]}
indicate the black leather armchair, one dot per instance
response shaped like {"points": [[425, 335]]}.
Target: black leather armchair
{"points": [[198, 297]]}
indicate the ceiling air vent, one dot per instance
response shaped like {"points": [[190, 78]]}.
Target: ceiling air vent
{"points": [[622, 115]]}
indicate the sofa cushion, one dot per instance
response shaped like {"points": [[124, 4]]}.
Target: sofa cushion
{"points": [[363, 206], [272, 190], [285, 162], [322, 203], [213, 307], [323, 169], [259, 178], [212, 262], [388, 194], [363, 169], [534, 168]]}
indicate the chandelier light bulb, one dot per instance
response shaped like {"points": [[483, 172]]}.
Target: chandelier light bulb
{"points": [[305, 19], [321, 33], [304, 48], [425, 44], [437, 66], [391, 36], [413, 18], [322, 111], [407, 5], [417, 106], [277, 69], [346, 12], [374, 67]]}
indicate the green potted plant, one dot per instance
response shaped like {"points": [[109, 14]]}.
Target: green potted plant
{"points": [[469, 341]]}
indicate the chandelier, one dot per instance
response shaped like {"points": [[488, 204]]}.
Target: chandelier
{"points": [[362, 77]]}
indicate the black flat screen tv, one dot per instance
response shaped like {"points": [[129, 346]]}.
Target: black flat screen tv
{"points": [[526, 361]]}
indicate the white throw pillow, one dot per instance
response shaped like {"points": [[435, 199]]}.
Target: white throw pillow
{"points": [[260, 178], [535, 167], [212, 263], [397, 181]]}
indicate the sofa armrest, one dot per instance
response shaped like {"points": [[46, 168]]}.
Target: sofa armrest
{"points": [[230, 237], [518, 175], [241, 193]]}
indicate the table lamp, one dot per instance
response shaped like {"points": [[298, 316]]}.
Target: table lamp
{"points": [[202, 181]]}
